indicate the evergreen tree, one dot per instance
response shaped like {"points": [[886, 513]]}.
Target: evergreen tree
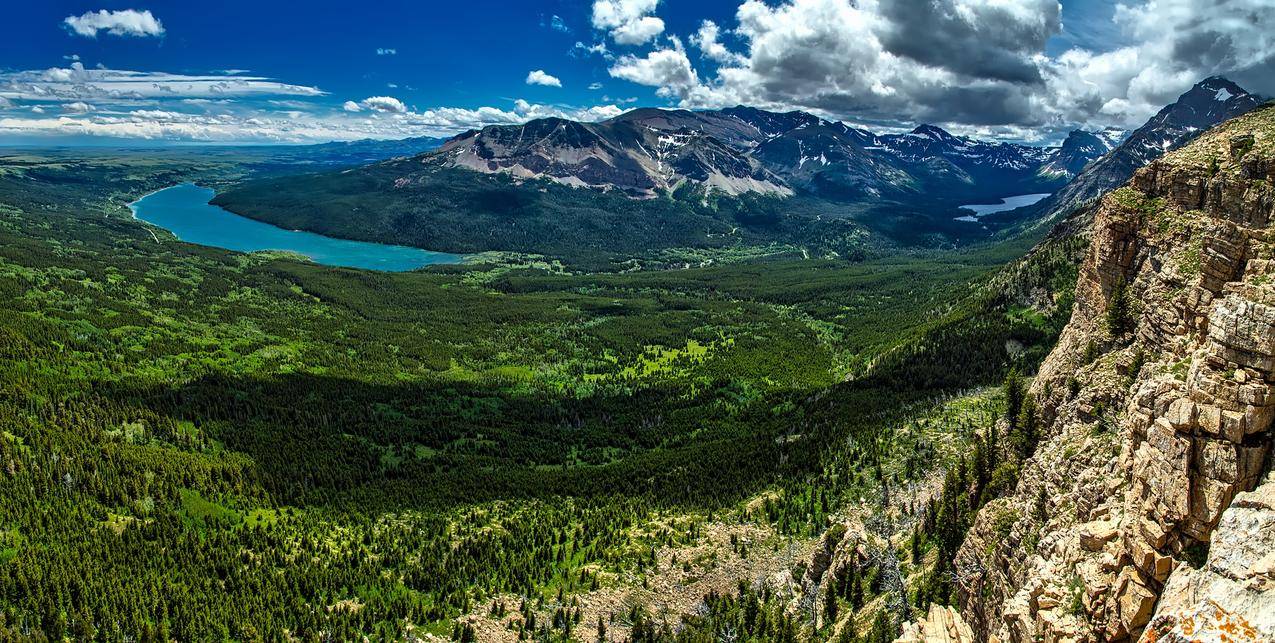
{"points": [[1119, 317]]}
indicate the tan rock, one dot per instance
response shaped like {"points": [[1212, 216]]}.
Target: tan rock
{"points": [[1094, 536], [941, 625], [1181, 414], [1136, 605], [1235, 589], [1207, 621], [1181, 443], [1210, 419]]}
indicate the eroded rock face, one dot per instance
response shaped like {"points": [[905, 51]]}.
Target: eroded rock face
{"points": [[1233, 593], [942, 625], [1159, 417]]}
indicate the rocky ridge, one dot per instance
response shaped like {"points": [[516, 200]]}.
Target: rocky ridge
{"points": [[1137, 517], [649, 151]]}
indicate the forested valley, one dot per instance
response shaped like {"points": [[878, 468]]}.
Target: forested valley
{"points": [[199, 444]]}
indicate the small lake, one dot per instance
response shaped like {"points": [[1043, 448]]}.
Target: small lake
{"points": [[1008, 203], [185, 211]]}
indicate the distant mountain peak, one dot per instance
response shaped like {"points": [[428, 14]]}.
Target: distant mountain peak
{"points": [[1078, 135], [1080, 148], [937, 133], [1112, 136], [1220, 83], [1209, 102], [1213, 93]]}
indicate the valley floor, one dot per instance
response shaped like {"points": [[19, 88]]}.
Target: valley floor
{"points": [[200, 444]]}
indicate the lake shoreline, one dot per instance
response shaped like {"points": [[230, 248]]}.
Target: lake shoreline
{"points": [[186, 211], [980, 210]]}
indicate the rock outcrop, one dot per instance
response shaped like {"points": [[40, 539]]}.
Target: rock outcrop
{"points": [[941, 625], [1135, 516], [1232, 593]]}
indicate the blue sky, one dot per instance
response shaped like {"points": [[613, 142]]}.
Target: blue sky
{"points": [[465, 54], [239, 71]]}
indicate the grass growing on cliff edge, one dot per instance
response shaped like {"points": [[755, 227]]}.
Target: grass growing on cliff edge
{"points": [[1228, 146]]}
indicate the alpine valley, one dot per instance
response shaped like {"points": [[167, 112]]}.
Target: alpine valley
{"points": [[656, 179], [663, 374]]}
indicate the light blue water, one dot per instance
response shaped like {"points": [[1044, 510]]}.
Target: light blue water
{"points": [[1008, 203], [184, 210]]}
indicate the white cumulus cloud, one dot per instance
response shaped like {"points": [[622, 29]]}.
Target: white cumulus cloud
{"points": [[128, 22], [706, 40], [539, 77], [639, 31], [628, 21], [78, 107], [387, 104], [667, 69]]}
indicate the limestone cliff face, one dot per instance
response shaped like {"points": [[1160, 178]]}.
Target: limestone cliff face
{"points": [[1159, 402]]}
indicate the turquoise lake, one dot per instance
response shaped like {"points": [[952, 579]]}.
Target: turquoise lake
{"points": [[184, 210], [1008, 203]]}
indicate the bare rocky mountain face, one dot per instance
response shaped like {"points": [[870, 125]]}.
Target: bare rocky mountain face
{"points": [[646, 152], [633, 157], [1079, 150], [1148, 513]]}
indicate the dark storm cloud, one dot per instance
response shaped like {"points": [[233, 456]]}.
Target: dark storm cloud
{"points": [[994, 104], [988, 66], [981, 40], [1204, 49]]}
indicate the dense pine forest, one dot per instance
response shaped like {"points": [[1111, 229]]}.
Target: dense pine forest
{"points": [[198, 444]]}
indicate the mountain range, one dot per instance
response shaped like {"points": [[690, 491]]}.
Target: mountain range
{"points": [[646, 152], [1208, 103], [654, 179]]}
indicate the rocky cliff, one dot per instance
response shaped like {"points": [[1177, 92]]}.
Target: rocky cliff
{"points": [[1137, 516]]}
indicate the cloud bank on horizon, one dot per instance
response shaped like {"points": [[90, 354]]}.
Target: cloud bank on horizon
{"points": [[1025, 70]]}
